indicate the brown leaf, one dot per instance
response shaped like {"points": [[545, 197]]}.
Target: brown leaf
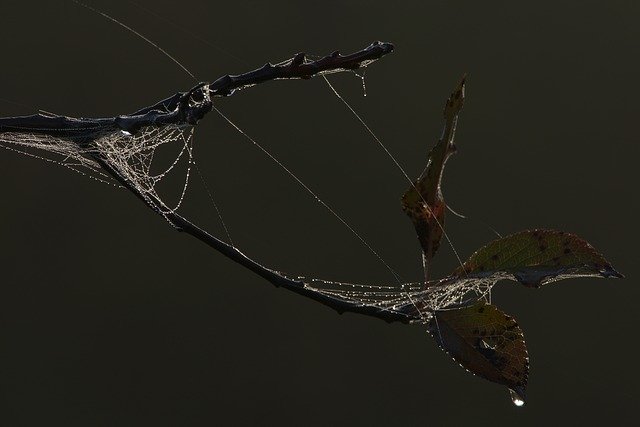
{"points": [[486, 342], [423, 201]]}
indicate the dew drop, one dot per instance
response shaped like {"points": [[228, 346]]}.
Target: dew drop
{"points": [[364, 84], [516, 398]]}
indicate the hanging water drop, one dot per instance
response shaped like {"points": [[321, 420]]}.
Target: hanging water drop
{"points": [[516, 398], [518, 402]]}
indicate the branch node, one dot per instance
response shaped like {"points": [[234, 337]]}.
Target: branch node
{"points": [[297, 60]]}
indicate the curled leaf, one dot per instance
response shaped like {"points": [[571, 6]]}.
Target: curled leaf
{"points": [[486, 342], [423, 201], [537, 257]]}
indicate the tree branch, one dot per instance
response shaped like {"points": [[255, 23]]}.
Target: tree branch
{"points": [[187, 108]]}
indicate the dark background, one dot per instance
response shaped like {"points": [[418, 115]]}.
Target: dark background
{"points": [[109, 317]]}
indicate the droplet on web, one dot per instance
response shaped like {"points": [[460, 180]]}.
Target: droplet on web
{"points": [[364, 84]]}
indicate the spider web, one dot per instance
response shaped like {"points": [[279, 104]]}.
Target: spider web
{"points": [[130, 155], [411, 300], [134, 158]]}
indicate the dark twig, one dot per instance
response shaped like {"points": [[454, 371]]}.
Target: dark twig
{"points": [[187, 108], [276, 278]]}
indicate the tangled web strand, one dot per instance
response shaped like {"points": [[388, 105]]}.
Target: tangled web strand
{"points": [[130, 155]]}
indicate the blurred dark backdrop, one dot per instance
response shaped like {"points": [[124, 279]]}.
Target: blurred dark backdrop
{"points": [[109, 317]]}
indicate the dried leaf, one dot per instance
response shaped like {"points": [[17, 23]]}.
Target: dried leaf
{"points": [[537, 257], [486, 342], [423, 201]]}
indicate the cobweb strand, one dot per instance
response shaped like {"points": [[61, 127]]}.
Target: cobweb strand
{"points": [[312, 193], [395, 161]]}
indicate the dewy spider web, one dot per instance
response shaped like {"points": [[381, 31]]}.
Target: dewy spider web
{"points": [[489, 343], [129, 157], [411, 299], [132, 157]]}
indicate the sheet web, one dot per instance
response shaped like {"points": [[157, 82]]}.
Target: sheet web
{"points": [[132, 156], [63, 151], [411, 300]]}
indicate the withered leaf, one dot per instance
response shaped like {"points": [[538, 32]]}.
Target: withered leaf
{"points": [[537, 257], [486, 342], [423, 201]]}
